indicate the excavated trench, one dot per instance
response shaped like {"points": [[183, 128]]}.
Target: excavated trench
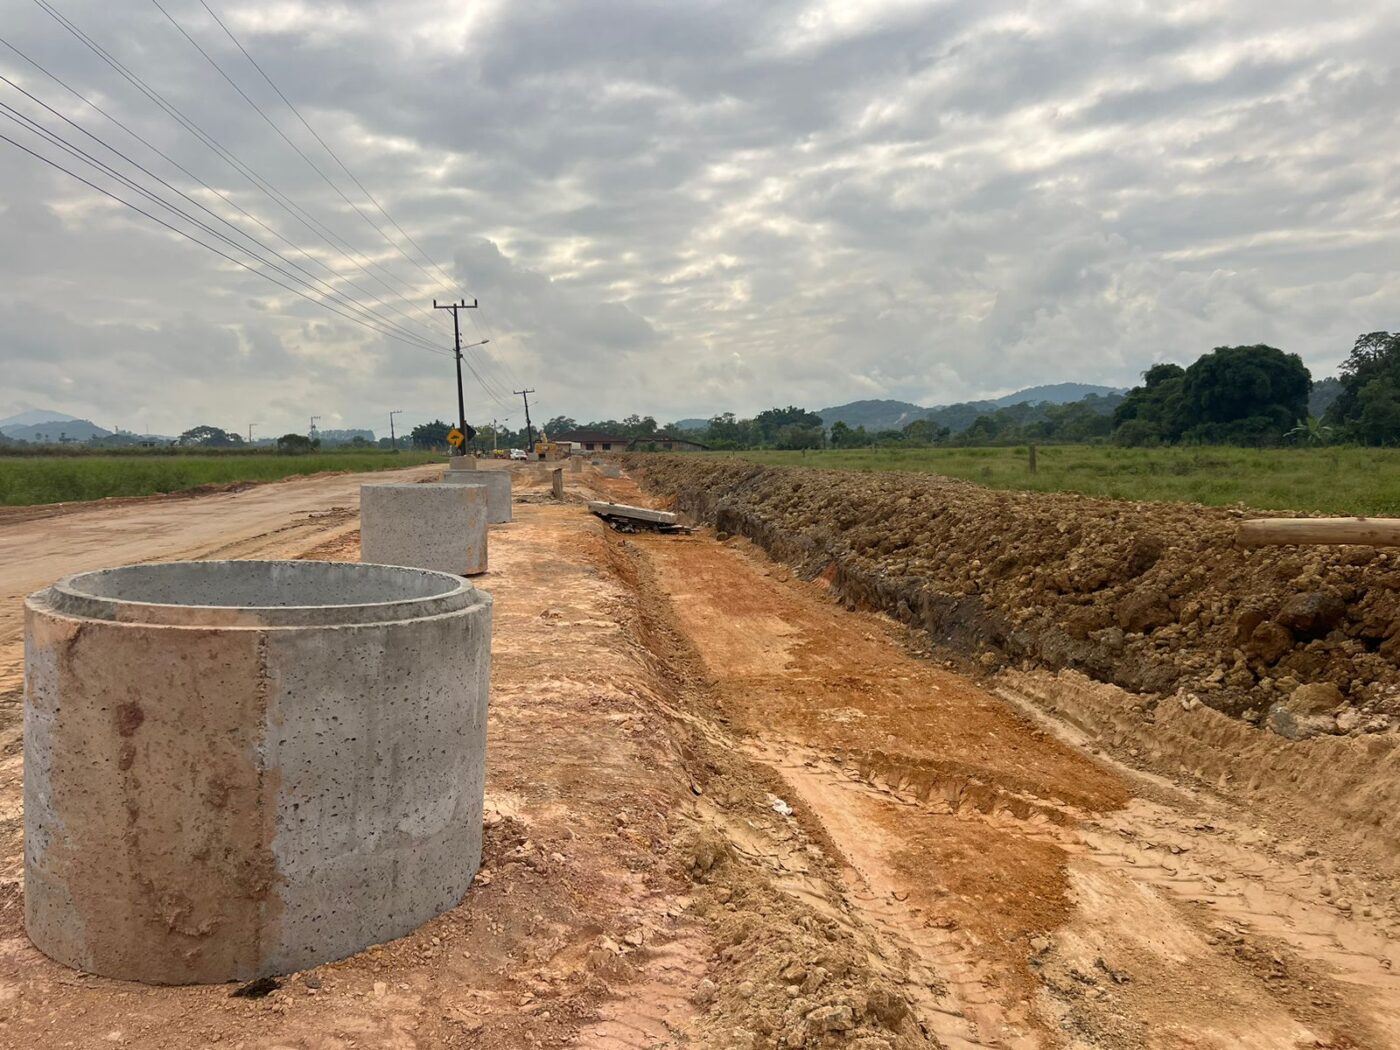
{"points": [[1152, 597]]}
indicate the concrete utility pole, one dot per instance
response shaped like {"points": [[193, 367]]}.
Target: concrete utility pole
{"points": [[311, 432], [393, 441], [529, 431], [250, 431], [457, 353]]}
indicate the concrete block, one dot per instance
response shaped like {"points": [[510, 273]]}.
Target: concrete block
{"points": [[609, 470], [575, 465], [462, 463], [438, 527], [236, 769], [624, 510], [497, 483], [556, 482]]}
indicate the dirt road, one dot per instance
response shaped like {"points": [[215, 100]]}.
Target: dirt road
{"points": [[725, 811]]}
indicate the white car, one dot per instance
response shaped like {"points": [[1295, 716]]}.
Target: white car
{"points": [[519, 453]]}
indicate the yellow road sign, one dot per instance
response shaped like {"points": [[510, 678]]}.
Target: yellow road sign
{"points": [[455, 438]]}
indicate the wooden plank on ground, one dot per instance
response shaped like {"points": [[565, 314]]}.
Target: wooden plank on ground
{"points": [[1370, 532]]}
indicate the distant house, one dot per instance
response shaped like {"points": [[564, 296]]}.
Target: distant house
{"points": [[665, 443], [592, 441]]}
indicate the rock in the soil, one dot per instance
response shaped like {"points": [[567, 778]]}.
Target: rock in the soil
{"points": [[1269, 642], [833, 1017], [1312, 615], [1350, 720], [1315, 698], [886, 1006], [1294, 726]]}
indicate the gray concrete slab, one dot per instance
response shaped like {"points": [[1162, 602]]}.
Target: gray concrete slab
{"points": [[623, 510]]}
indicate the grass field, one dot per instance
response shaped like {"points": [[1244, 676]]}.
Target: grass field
{"points": [[29, 480], [1326, 480]]}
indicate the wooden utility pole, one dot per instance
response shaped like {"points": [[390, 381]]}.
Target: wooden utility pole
{"points": [[457, 354], [1368, 532], [529, 430], [393, 438]]}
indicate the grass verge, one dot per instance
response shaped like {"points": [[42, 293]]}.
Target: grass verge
{"points": [[1362, 481], [30, 480]]}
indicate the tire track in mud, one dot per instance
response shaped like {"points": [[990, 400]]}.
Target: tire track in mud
{"points": [[1230, 947], [968, 1014]]}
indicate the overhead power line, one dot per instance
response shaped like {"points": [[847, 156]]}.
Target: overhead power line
{"points": [[283, 135], [326, 146], [332, 240], [176, 230], [481, 323], [334, 274], [78, 153]]}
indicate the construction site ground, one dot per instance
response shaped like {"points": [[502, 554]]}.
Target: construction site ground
{"points": [[725, 811]]}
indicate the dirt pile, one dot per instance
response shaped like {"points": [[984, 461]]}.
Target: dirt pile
{"points": [[1152, 597]]}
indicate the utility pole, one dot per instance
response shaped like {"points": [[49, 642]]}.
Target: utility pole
{"points": [[457, 353], [529, 431], [250, 432], [394, 441], [311, 432]]}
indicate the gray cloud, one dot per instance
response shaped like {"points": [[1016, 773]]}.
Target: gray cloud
{"points": [[685, 208]]}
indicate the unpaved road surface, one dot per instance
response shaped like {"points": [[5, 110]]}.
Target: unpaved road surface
{"points": [[725, 811]]}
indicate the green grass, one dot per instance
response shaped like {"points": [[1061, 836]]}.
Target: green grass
{"points": [[29, 480], [1326, 480]]}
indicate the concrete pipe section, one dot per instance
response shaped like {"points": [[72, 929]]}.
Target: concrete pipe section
{"points": [[439, 527], [497, 485], [242, 768]]}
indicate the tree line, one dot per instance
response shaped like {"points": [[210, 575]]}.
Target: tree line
{"points": [[1234, 395]]}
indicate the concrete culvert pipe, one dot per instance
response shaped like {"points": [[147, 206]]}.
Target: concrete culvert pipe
{"points": [[438, 527], [497, 485], [242, 768]]}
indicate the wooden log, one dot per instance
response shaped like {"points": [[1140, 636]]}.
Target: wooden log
{"points": [[1369, 532]]}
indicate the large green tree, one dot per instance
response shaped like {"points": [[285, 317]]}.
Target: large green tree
{"points": [[1148, 414], [210, 437], [1368, 407], [770, 423], [1243, 395], [430, 435]]}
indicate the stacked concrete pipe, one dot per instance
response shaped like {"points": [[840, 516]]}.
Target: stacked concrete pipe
{"points": [[496, 483], [236, 769]]}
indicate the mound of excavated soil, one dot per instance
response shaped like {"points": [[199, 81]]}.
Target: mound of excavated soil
{"points": [[1153, 597]]}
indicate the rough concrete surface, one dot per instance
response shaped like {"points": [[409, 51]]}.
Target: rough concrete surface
{"points": [[497, 484], [236, 769], [439, 527]]}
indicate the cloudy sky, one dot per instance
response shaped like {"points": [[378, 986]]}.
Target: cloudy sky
{"points": [[684, 207]]}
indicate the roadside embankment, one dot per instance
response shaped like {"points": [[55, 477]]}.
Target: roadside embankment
{"points": [[1152, 597]]}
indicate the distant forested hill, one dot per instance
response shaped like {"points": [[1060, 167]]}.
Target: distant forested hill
{"points": [[894, 415]]}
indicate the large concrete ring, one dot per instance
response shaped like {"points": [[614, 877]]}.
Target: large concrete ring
{"points": [[497, 484], [242, 768]]}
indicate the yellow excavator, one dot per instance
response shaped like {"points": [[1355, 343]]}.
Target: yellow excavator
{"points": [[546, 449]]}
